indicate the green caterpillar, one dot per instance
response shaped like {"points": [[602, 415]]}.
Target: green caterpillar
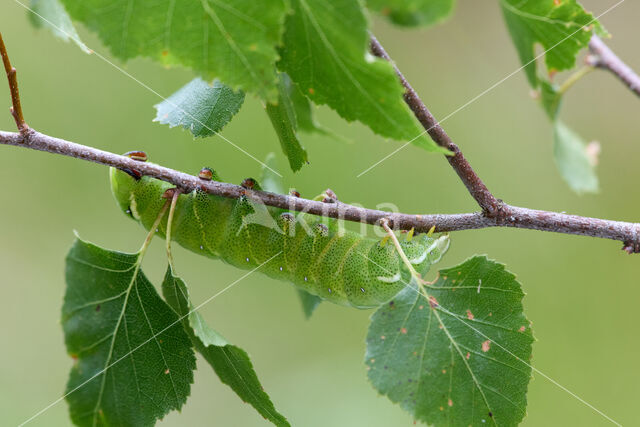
{"points": [[311, 252]]}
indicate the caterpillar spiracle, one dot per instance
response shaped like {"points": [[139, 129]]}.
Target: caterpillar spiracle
{"points": [[312, 252]]}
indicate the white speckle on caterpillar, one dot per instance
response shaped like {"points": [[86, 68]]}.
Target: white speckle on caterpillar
{"points": [[201, 248], [305, 278], [280, 268], [329, 289], [391, 279], [247, 259], [362, 289]]}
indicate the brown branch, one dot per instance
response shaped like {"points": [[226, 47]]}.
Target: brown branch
{"points": [[495, 212], [603, 57], [16, 109], [489, 204], [517, 217]]}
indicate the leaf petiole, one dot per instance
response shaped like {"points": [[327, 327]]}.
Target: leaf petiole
{"points": [[152, 232], [574, 78], [174, 201]]}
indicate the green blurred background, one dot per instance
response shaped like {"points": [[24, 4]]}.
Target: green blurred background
{"points": [[582, 293]]}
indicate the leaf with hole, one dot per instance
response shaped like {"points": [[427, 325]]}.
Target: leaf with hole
{"points": [[562, 28], [456, 352], [133, 361]]}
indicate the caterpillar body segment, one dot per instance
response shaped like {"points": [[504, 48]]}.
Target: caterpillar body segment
{"points": [[311, 252]]}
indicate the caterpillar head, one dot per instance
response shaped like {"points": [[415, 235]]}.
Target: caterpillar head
{"points": [[425, 250]]}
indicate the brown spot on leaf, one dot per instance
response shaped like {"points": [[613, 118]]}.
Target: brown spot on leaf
{"points": [[421, 307], [468, 355], [486, 345], [98, 307], [166, 371], [433, 302], [382, 337], [165, 52], [450, 402], [522, 329], [469, 315], [312, 91], [444, 371], [403, 331]]}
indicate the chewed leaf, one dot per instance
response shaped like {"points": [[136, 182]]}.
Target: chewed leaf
{"points": [[231, 363], [269, 180], [200, 108], [325, 54], [133, 361], [413, 13], [550, 98], [284, 120], [51, 15], [302, 107], [562, 28], [233, 40], [575, 160], [457, 354]]}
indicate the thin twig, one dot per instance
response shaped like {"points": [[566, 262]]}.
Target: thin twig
{"points": [[626, 232], [489, 204], [495, 212], [603, 57], [16, 109]]}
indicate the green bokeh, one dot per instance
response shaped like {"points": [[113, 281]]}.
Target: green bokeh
{"points": [[583, 293]]}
